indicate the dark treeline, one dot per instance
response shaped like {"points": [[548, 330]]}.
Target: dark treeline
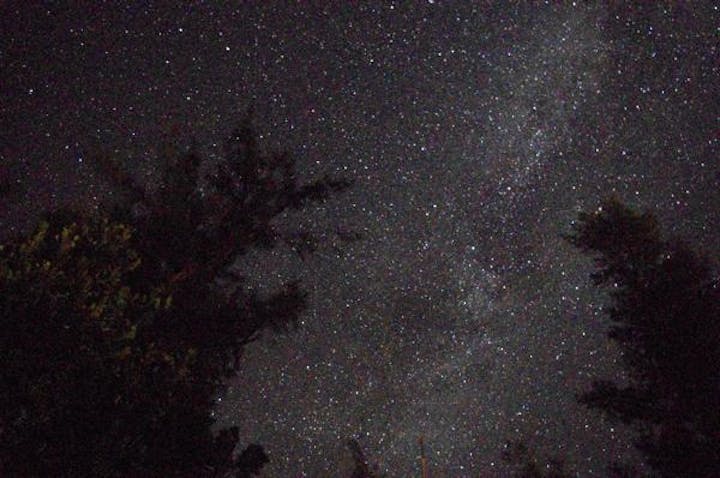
{"points": [[119, 327]]}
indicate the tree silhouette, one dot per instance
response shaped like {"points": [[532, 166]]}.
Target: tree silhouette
{"points": [[118, 332], [362, 468], [665, 314], [251, 461]]}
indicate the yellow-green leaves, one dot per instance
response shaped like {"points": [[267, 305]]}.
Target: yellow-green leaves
{"points": [[34, 241], [124, 353], [84, 268], [161, 299], [131, 333], [68, 238]]}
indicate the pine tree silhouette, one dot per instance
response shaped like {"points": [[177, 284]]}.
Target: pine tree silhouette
{"points": [[665, 314]]}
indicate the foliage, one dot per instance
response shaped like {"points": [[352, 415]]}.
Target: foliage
{"points": [[251, 461], [199, 232], [75, 353], [665, 314], [116, 332]]}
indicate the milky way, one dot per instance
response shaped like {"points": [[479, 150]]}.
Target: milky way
{"points": [[475, 134]]}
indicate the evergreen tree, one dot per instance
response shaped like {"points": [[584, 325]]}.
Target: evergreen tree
{"points": [[117, 333], [665, 314]]}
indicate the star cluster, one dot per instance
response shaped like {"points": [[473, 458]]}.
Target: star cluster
{"points": [[476, 131]]}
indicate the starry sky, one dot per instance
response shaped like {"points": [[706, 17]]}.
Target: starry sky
{"points": [[476, 131]]}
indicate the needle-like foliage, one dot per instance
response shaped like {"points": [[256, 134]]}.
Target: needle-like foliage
{"points": [[665, 314]]}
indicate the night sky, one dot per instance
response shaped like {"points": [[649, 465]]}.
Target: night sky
{"points": [[475, 134]]}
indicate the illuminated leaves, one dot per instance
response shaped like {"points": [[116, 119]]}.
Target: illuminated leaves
{"points": [[82, 268]]}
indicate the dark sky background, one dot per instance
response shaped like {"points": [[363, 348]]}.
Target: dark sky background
{"points": [[476, 133]]}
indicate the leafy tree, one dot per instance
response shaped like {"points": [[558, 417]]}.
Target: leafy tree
{"points": [[73, 352], [665, 314], [118, 331]]}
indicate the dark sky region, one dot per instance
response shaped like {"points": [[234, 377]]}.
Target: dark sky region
{"points": [[476, 132]]}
